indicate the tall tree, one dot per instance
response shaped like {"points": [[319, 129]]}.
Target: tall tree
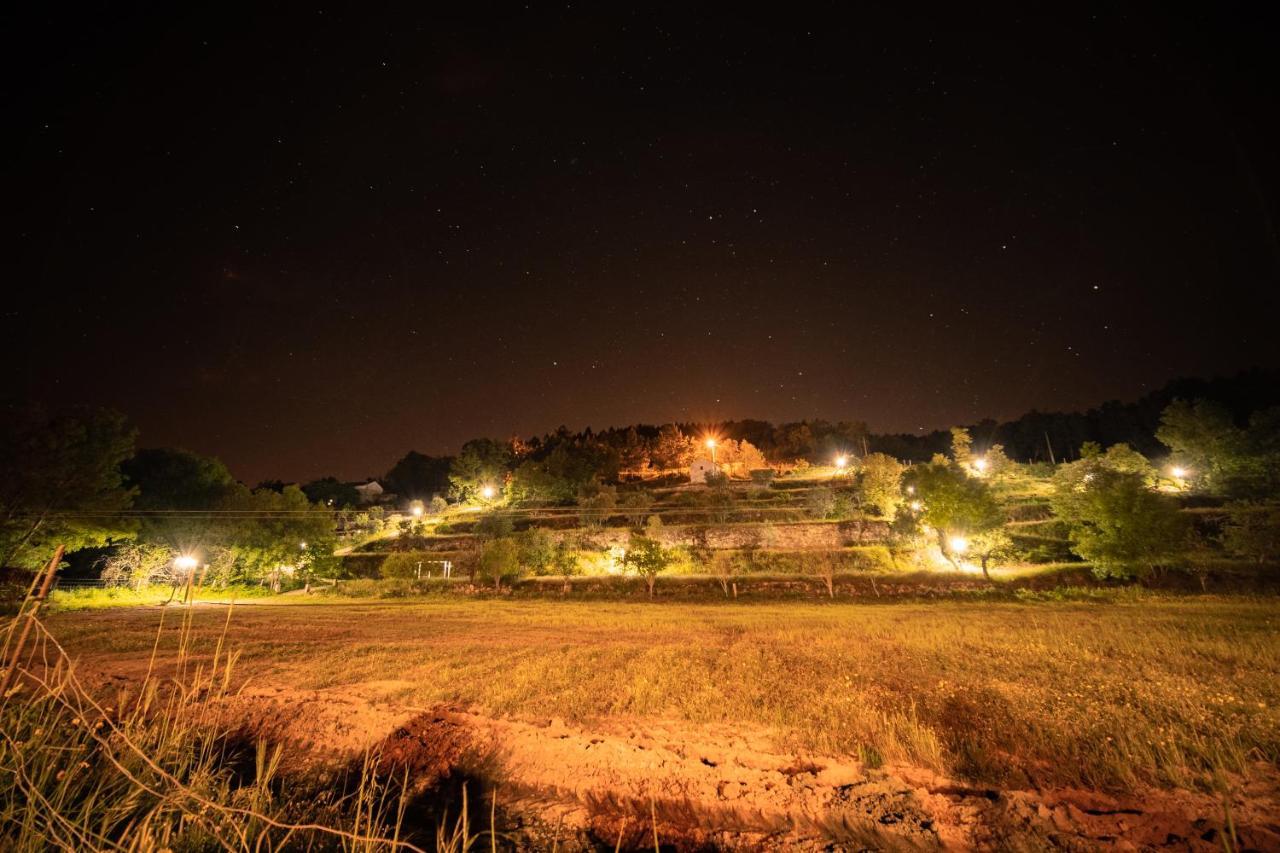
{"points": [[418, 476], [482, 463], [62, 482]]}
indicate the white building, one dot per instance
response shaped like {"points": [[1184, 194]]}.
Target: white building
{"points": [[370, 492], [700, 468]]}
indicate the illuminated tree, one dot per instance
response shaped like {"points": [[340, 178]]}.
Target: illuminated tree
{"points": [[961, 446], [1119, 524], [137, 564], [880, 483], [1203, 436], [564, 561], [61, 483], [536, 551], [499, 559], [482, 463], [955, 505], [991, 546], [647, 558], [672, 449]]}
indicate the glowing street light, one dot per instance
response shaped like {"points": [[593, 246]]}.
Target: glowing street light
{"points": [[841, 462], [916, 506], [487, 493], [980, 464], [958, 544], [186, 563], [711, 445], [302, 546], [416, 509], [1178, 472]]}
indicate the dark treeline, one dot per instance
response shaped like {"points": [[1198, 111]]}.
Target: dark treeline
{"points": [[1034, 437]]}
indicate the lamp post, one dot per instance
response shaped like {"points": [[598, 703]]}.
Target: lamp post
{"points": [[711, 445]]}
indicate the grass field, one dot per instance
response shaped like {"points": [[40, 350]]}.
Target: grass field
{"points": [[1109, 695]]}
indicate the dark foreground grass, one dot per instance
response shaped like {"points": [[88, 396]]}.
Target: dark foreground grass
{"points": [[1109, 694]]}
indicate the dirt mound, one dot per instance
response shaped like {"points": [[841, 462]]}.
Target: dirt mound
{"points": [[721, 787]]}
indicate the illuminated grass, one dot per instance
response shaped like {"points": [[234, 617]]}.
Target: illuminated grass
{"points": [[1109, 695]]}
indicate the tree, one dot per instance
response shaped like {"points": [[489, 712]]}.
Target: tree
{"points": [[417, 475], [499, 559], [880, 483], [647, 558], [482, 463], [1252, 531], [331, 492], [138, 564], [494, 525], [991, 546], [672, 449], [62, 483], [726, 566], [273, 534], [536, 551], [961, 446], [1119, 524], [1204, 437], [597, 503], [824, 567], [565, 562], [955, 505], [564, 472], [636, 506]]}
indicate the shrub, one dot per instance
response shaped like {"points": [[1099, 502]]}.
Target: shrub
{"points": [[762, 475]]}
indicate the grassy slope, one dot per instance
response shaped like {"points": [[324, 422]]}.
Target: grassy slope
{"points": [[1105, 695]]}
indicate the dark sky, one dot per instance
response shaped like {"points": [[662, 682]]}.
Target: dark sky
{"points": [[309, 243]]}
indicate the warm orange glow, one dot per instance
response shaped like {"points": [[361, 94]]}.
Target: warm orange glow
{"points": [[186, 563], [487, 493], [842, 461]]}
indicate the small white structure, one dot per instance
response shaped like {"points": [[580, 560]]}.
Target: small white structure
{"points": [[370, 492], [700, 469]]}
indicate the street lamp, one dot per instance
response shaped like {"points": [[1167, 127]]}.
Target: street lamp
{"points": [[186, 563], [487, 493], [980, 464], [841, 462], [416, 509], [958, 544], [1179, 473], [711, 445]]}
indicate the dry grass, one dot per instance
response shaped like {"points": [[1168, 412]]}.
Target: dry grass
{"points": [[160, 768], [1110, 695]]}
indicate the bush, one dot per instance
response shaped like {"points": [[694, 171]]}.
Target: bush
{"points": [[762, 475]]}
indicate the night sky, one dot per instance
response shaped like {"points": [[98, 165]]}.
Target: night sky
{"points": [[308, 243]]}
